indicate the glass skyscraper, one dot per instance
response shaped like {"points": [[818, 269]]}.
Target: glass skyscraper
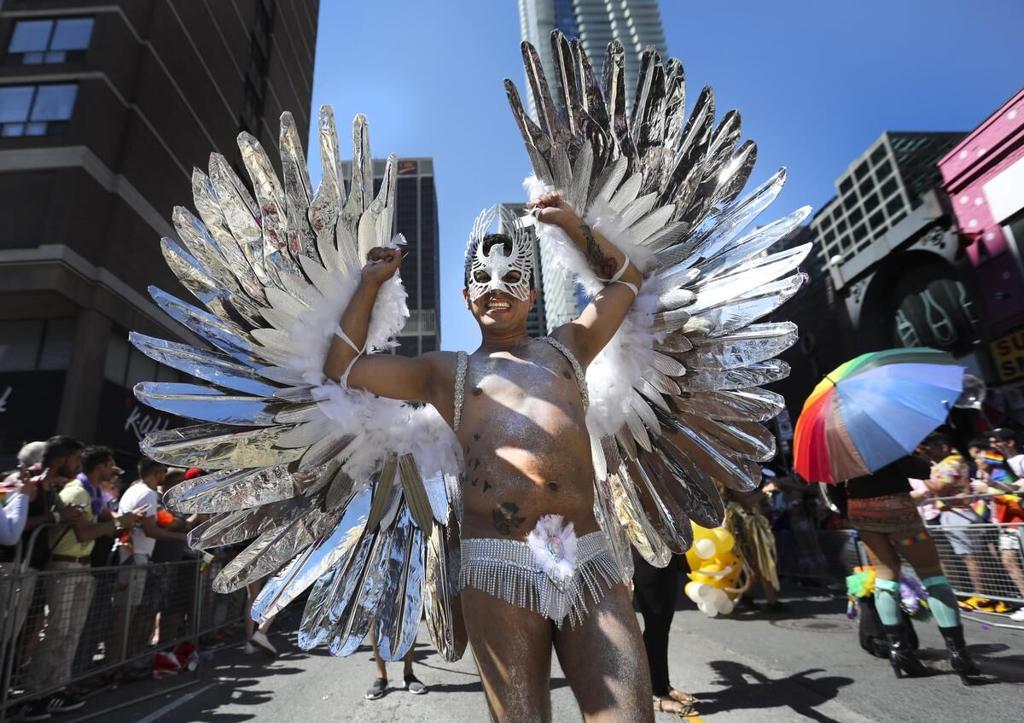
{"points": [[416, 219], [634, 23]]}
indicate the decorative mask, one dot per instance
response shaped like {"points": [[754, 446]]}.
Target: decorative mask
{"points": [[497, 264]]}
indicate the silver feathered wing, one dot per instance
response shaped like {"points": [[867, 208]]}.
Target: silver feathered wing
{"points": [[333, 489], [677, 402]]}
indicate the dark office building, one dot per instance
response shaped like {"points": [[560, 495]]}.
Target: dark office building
{"points": [[416, 219], [104, 111]]}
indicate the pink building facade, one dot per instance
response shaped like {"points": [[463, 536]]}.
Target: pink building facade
{"points": [[984, 179]]}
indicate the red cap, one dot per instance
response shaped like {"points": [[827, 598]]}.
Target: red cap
{"points": [[193, 472]]}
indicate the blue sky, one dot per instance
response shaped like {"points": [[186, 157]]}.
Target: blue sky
{"points": [[815, 81]]}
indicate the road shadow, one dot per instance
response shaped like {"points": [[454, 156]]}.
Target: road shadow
{"points": [[1004, 668], [749, 689]]}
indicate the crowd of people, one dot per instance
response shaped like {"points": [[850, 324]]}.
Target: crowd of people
{"points": [[63, 616], [95, 572]]}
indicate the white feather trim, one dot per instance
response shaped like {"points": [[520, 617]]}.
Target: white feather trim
{"points": [[310, 335], [388, 425], [382, 425]]}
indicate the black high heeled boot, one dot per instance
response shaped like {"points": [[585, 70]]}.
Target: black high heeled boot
{"points": [[959, 659], [902, 657]]}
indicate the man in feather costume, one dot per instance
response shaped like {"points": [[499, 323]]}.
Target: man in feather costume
{"points": [[533, 553], [495, 493]]}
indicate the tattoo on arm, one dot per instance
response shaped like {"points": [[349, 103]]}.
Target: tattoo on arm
{"points": [[604, 265], [506, 518]]}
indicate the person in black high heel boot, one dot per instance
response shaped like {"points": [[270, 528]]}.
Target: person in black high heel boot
{"points": [[880, 508], [902, 655]]}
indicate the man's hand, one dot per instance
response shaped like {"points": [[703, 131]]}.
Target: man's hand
{"points": [[29, 489], [551, 208], [381, 264], [126, 520]]}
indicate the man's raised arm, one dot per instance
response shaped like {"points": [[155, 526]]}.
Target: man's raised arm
{"points": [[395, 377], [596, 324]]}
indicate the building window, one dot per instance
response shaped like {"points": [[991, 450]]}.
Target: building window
{"points": [[36, 110], [34, 42], [36, 344]]}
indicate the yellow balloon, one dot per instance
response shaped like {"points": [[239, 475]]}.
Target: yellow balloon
{"points": [[724, 540]]}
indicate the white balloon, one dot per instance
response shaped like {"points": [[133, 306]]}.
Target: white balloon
{"points": [[704, 548], [692, 591], [708, 609], [727, 607]]}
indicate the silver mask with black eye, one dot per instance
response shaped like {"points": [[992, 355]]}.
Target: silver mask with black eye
{"points": [[497, 270]]}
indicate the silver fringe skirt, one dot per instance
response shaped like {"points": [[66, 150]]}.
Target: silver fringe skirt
{"points": [[507, 569]]}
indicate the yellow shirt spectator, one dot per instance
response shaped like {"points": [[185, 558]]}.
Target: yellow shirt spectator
{"points": [[63, 539]]}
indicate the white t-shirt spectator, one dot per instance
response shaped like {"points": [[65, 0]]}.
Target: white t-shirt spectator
{"points": [[12, 518], [1017, 465], [140, 497]]}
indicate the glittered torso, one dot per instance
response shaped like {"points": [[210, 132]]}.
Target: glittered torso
{"points": [[527, 451]]}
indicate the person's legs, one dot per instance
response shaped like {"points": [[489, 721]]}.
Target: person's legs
{"points": [[604, 661], [69, 589], [512, 649], [924, 558], [886, 561], [256, 636], [1009, 556], [656, 602], [956, 524]]}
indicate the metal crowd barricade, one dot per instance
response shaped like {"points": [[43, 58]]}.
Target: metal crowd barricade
{"points": [[69, 623], [982, 559]]}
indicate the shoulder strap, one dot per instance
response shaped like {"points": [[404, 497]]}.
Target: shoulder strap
{"points": [[581, 379], [460, 388]]}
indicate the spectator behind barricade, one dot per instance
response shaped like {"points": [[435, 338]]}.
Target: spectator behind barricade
{"points": [[135, 551], [68, 587], [30, 459], [176, 582], [974, 448], [99, 474], [920, 493], [996, 476], [17, 491], [20, 495], [41, 494], [1005, 441], [951, 480]]}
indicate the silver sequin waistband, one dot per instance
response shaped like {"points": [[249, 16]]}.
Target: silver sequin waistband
{"points": [[506, 569]]}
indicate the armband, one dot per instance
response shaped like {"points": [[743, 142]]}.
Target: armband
{"points": [[340, 333], [617, 278]]}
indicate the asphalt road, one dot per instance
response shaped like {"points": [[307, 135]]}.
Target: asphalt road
{"points": [[801, 665]]}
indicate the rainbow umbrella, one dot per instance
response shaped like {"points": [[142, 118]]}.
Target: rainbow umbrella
{"points": [[873, 410]]}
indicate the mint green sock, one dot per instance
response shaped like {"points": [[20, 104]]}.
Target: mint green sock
{"points": [[887, 601], [942, 601]]}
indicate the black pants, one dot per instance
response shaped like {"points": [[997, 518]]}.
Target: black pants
{"points": [[656, 590]]}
